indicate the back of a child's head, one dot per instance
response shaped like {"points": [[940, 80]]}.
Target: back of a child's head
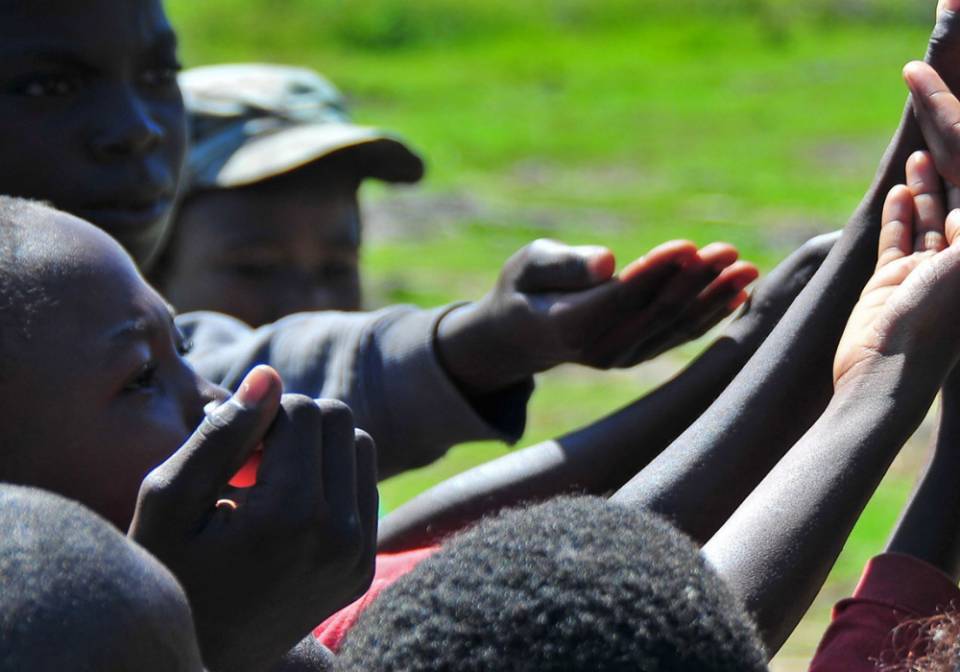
{"points": [[572, 584], [77, 595]]}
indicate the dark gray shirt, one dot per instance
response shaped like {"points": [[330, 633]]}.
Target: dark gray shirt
{"points": [[382, 364]]}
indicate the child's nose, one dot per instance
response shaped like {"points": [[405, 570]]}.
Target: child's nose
{"points": [[209, 395]]}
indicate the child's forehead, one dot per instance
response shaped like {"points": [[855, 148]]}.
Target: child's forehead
{"points": [[67, 28]]}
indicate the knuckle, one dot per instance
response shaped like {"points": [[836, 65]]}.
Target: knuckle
{"points": [[217, 422], [363, 439], [543, 246], [158, 485], [334, 410], [300, 408]]}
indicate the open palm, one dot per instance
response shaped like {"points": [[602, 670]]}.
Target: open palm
{"points": [[905, 307]]}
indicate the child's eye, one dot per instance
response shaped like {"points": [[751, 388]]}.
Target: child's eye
{"points": [[51, 86], [160, 77], [145, 380]]}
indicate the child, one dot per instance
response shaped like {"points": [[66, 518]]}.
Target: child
{"points": [[268, 222], [77, 595], [91, 119], [97, 394], [571, 584]]}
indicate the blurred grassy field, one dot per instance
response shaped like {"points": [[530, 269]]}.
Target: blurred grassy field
{"points": [[614, 121]]}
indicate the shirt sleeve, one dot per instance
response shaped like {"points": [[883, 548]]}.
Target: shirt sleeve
{"points": [[894, 590], [390, 567], [382, 364]]}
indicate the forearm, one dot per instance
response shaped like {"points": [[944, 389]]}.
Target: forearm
{"points": [[930, 526], [776, 550], [781, 390], [596, 459]]}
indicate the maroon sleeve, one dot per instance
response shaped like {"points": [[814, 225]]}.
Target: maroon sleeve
{"points": [[893, 590], [390, 567]]}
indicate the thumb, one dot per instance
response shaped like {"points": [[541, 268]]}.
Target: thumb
{"points": [[189, 482], [550, 266], [947, 6]]}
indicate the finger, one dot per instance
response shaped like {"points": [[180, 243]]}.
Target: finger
{"points": [[718, 255], [677, 296], [724, 295], [339, 457], [896, 226], [368, 499], [290, 480], [669, 255], [928, 203], [953, 196], [195, 475], [945, 6], [728, 285], [953, 228], [550, 266], [637, 285], [938, 113]]}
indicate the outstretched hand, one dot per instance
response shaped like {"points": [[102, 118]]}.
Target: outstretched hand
{"points": [[557, 304], [916, 282], [264, 565]]}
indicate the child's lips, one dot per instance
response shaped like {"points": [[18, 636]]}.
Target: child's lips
{"points": [[130, 215]]}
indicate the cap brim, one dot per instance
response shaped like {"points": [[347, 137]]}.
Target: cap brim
{"points": [[379, 155]]}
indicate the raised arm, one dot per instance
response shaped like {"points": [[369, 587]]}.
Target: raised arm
{"points": [[776, 549], [600, 457], [421, 381], [929, 529], [785, 386]]}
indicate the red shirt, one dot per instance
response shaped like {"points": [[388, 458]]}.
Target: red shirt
{"points": [[893, 590], [390, 567]]}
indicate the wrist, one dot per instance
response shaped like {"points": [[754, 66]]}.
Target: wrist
{"points": [[899, 384], [467, 348]]}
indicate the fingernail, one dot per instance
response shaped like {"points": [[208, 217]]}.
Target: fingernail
{"points": [[255, 387], [908, 73], [600, 261]]}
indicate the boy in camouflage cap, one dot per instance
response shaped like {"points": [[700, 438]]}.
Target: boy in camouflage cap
{"points": [[269, 222]]}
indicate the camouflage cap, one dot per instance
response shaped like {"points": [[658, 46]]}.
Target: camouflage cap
{"points": [[251, 122]]}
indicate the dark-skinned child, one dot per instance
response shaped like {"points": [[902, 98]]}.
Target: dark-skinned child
{"points": [[268, 221], [92, 120], [84, 337], [77, 595]]}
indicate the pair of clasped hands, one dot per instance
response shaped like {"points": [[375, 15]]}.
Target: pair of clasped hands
{"points": [[299, 541]]}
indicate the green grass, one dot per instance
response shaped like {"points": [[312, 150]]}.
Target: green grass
{"points": [[611, 121]]}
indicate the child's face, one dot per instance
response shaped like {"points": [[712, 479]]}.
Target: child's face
{"points": [[287, 245], [98, 394], [91, 112]]}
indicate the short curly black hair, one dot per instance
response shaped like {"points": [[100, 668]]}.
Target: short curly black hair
{"points": [[20, 297], [572, 584], [78, 595]]}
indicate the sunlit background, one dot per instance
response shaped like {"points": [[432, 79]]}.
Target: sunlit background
{"points": [[622, 122]]}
